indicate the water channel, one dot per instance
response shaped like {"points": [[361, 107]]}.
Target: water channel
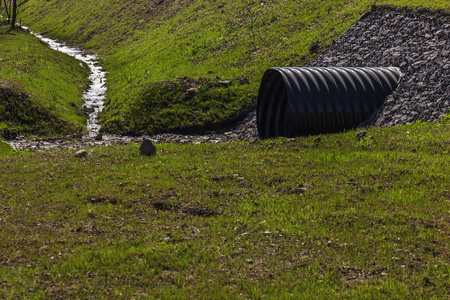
{"points": [[95, 95]]}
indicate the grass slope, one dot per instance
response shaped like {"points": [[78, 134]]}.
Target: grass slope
{"points": [[144, 42], [321, 217], [325, 217], [40, 89]]}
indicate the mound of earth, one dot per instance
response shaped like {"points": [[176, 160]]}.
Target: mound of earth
{"points": [[182, 105], [20, 115]]}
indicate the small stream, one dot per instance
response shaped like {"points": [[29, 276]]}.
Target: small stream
{"points": [[95, 95]]}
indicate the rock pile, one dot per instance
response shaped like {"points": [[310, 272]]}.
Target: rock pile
{"points": [[419, 44]]}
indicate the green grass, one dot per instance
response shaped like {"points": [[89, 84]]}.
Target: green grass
{"points": [[5, 148], [324, 216], [184, 105], [327, 216], [40, 89], [143, 42]]}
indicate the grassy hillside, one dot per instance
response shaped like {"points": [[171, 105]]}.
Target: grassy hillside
{"points": [[40, 89], [144, 42], [328, 217]]}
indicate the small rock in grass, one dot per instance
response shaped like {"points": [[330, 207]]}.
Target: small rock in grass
{"points": [[81, 153], [192, 91], [99, 137], [361, 134], [147, 147], [225, 83]]}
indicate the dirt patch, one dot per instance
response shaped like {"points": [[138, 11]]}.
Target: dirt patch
{"points": [[191, 209], [102, 199], [356, 275]]}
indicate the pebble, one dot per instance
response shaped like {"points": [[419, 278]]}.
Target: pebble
{"points": [[81, 153], [361, 134]]}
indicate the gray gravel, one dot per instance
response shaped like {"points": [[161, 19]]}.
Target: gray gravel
{"points": [[418, 44], [244, 131]]}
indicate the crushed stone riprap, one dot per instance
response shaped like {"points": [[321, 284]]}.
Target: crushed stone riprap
{"points": [[244, 131], [419, 44]]}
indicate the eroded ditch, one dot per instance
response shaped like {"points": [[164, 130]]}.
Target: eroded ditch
{"points": [[95, 95]]}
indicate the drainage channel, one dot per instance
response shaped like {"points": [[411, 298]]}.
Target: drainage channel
{"points": [[93, 100], [95, 95]]}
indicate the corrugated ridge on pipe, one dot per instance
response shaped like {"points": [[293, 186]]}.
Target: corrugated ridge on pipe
{"points": [[303, 101]]}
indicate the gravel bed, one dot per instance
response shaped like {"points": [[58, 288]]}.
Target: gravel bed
{"points": [[419, 44]]}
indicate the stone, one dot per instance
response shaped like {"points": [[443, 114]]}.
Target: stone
{"points": [[147, 147], [99, 137], [361, 134], [192, 91], [81, 153], [225, 83]]}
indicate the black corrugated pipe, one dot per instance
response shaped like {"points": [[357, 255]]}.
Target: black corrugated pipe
{"points": [[303, 101]]}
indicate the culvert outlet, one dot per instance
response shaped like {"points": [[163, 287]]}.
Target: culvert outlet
{"points": [[304, 101]]}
